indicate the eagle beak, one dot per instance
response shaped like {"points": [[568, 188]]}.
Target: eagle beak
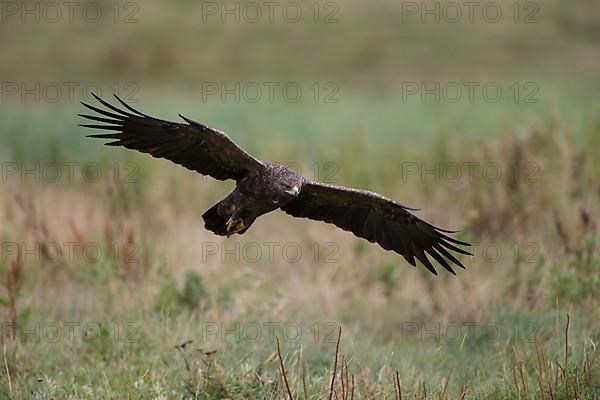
{"points": [[293, 191]]}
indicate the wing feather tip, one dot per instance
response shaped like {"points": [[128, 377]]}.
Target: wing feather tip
{"points": [[441, 260], [105, 136], [127, 106], [194, 123], [105, 127]]}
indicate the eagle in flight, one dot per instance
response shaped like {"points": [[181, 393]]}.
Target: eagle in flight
{"points": [[263, 186]]}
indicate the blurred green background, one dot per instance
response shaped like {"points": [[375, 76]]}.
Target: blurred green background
{"points": [[166, 56]]}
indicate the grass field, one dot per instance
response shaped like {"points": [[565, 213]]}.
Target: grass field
{"points": [[112, 289]]}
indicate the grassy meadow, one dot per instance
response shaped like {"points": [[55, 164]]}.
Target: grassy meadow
{"points": [[112, 289]]}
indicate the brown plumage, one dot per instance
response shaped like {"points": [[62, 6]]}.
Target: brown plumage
{"points": [[263, 186]]}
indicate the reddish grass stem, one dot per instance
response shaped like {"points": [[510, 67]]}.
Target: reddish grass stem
{"points": [[287, 386], [337, 351]]}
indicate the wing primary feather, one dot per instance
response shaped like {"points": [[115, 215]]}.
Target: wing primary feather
{"points": [[420, 254], [104, 112], [192, 122], [448, 255], [455, 241], [100, 119], [441, 260], [107, 127], [410, 259], [127, 106], [106, 136], [108, 105], [404, 206], [454, 248], [437, 228]]}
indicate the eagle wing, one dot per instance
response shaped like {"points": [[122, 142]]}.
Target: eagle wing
{"points": [[192, 145], [379, 220]]}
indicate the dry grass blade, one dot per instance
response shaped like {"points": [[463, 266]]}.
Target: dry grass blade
{"points": [[13, 278], [463, 392], [523, 382], [397, 386], [337, 351], [565, 369], [543, 394], [542, 374], [567, 341], [304, 379], [287, 386], [7, 370], [346, 376], [575, 394], [342, 378], [443, 394], [181, 349], [517, 387]]}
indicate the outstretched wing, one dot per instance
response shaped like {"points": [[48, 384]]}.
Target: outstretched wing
{"points": [[192, 145], [378, 219]]}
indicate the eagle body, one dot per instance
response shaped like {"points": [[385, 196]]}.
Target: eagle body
{"points": [[263, 186], [272, 187]]}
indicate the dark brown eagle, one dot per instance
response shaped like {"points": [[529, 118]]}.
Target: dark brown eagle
{"points": [[264, 186]]}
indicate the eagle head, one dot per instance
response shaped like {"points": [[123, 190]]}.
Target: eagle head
{"points": [[287, 181]]}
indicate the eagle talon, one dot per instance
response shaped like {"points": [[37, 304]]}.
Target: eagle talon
{"points": [[234, 226]]}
